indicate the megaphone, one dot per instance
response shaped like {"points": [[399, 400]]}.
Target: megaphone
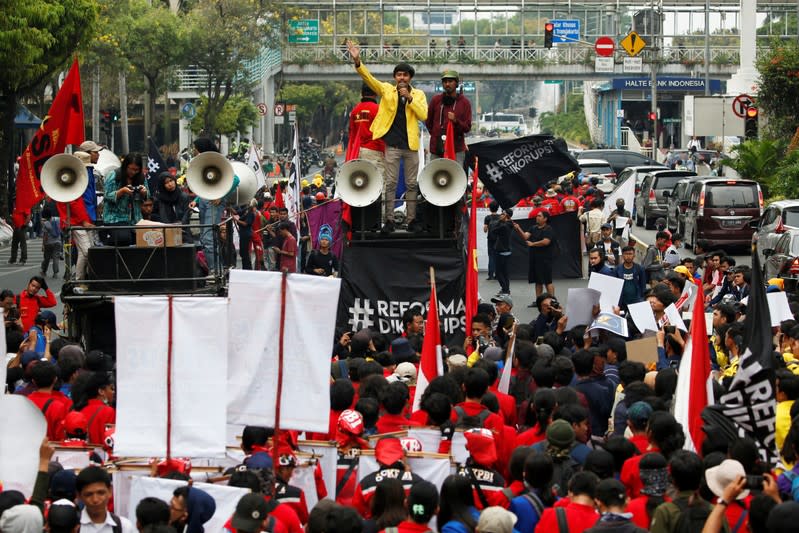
{"points": [[64, 178], [442, 182], [210, 175], [248, 184], [359, 182]]}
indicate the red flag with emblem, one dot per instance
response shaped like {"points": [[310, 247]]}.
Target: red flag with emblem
{"points": [[62, 125]]}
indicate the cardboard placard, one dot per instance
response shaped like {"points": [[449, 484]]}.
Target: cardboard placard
{"points": [[643, 350]]}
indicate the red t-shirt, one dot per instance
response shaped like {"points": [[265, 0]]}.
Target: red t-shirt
{"points": [[98, 414], [579, 517], [56, 411], [289, 262], [530, 437], [631, 474], [389, 423]]}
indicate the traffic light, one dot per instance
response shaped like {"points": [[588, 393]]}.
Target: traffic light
{"points": [[105, 121], [653, 116], [549, 28], [114, 115], [750, 123], [533, 112]]}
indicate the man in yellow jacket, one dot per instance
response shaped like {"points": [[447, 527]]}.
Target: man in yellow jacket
{"points": [[397, 123]]}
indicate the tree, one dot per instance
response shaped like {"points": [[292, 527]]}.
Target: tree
{"points": [[237, 115], [778, 93], [321, 108], [571, 126], [225, 35], [757, 160], [150, 39], [37, 39]]}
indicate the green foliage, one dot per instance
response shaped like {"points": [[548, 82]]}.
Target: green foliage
{"points": [[321, 108], [778, 94], [237, 115], [571, 126], [757, 160]]}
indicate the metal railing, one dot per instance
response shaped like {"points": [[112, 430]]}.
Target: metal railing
{"points": [[196, 78], [305, 54]]}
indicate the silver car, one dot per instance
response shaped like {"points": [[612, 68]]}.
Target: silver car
{"points": [[778, 218]]}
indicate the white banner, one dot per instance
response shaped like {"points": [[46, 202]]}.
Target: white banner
{"points": [[311, 306], [199, 358], [327, 456], [22, 429], [225, 497], [625, 191]]}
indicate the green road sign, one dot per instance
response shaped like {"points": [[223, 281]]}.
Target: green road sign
{"points": [[553, 82], [304, 31]]}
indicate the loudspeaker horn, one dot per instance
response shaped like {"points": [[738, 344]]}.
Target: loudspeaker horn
{"points": [[248, 184], [210, 175], [64, 178], [442, 182], [359, 182]]}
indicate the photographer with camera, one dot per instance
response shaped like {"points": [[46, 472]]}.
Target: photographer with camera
{"points": [[670, 347], [550, 313], [449, 106], [735, 492]]}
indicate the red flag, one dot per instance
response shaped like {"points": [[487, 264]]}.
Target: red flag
{"points": [[62, 125], [431, 365], [471, 258], [279, 197], [354, 145], [694, 381], [449, 142]]}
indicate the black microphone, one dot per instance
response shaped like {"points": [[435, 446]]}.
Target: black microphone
{"points": [[402, 85]]}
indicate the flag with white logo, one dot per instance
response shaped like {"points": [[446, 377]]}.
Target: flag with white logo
{"points": [[513, 169], [254, 162]]}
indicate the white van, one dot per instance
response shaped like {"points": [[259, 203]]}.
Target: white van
{"points": [[504, 122]]}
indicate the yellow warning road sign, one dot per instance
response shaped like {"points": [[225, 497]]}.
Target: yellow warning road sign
{"points": [[633, 44]]}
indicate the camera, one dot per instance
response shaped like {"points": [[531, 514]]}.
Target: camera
{"points": [[555, 305], [669, 329], [754, 482]]}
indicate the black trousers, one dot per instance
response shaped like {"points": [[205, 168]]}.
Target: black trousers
{"points": [[502, 265]]}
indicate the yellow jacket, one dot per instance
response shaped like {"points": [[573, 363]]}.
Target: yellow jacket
{"points": [[387, 110]]}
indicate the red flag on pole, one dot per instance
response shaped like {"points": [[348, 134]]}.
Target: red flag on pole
{"points": [[471, 258], [62, 125], [431, 365], [279, 197], [694, 381], [449, 142]]}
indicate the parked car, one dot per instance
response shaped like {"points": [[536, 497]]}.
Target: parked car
{"points": [[778, 217], [721, 210], [650, 204], [677, 204], [782, 261], [618, 159], [601, 169]]}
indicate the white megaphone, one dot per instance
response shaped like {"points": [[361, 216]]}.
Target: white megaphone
{"points": [[64, 178], [248, 184], [359, 182], [442, 182], [210, 175]]}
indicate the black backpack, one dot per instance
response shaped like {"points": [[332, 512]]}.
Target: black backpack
{"points": [[692, 517], [562, 472]]}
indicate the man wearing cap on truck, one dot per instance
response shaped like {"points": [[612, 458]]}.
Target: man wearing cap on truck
{"points": [[445, 107]]}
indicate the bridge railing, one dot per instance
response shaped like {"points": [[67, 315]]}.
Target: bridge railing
{"points": [[305, 54]]}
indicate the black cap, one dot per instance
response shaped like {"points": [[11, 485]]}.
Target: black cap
{"points": [[250, 513]]}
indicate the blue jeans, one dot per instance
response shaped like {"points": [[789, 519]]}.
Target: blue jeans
{"points": [[209, 214]]}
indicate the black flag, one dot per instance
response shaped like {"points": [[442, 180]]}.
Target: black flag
{"points": [[512, 169], [749, 406], [155, 165]]}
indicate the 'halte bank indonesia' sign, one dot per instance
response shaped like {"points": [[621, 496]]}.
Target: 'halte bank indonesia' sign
{"points": [[666, 84]]}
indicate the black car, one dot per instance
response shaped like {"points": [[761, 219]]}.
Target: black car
{"points": [[650, 203], [618, 159]]}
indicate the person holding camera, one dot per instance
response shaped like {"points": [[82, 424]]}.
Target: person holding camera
{"points": [[124, 193], [549, 313], [449, 106]]}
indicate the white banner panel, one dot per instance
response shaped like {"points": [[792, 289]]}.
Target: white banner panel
{"points": [[311, 306], [225, 497], [22, 429], [432, 469], [327, 456], [199, 358]]}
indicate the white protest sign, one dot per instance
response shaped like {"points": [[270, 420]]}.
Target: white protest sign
{"points": [[609, 287], [643, 316], [199, 357], [22, 429], [311, 306], [674, 317], [579, 306], [778, 307]]}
